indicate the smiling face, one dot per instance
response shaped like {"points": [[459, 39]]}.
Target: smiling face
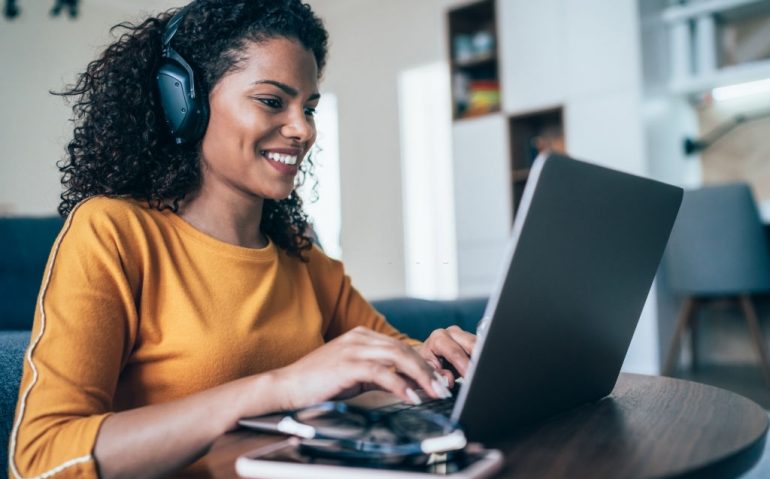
{"points": [[261, 122]]}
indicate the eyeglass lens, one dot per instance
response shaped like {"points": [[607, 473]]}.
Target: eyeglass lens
{"points": [[333, 422], [418, 426]]}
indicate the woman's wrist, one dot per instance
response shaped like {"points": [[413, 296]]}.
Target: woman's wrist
{"points": [[281, 389], [253, 396]]}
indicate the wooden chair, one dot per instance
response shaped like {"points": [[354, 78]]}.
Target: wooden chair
{"points": [[718, 249]]}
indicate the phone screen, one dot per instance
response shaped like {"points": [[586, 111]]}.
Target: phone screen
{"points": [[434, 464]]}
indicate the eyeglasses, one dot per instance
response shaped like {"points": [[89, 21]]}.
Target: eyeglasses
{"points": [[336, 429]]}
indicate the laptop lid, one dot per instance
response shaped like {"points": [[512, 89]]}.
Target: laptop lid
{"points": [[585, 246]]}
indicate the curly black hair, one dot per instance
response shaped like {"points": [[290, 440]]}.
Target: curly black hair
{"points": [[121, 145]]}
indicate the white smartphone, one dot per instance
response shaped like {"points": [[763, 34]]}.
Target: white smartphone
{"points": [[283, 460]]}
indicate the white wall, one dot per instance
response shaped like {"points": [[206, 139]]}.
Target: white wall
{"points": [[667, 119], [39, 53]]}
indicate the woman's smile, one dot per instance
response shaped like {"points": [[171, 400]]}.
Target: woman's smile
{"points": [[285, 160]]}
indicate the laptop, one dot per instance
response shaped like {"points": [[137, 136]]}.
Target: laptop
{"points": [[585, 247]]}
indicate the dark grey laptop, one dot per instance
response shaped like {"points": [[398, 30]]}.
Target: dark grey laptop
{"points": [[585, 247]]}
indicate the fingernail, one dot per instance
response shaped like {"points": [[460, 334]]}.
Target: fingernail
{"points": [[413, 396], [441, 378], [441, 390]]}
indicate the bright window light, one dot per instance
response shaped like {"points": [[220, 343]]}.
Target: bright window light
{"points": [[426, 170], [741, 90], [326, 213]]}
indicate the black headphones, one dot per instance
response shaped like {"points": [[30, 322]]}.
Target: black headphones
{"points": [[185, 106]]}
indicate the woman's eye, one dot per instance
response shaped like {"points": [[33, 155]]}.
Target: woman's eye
{"points": [[310, 111], [271, 102]]}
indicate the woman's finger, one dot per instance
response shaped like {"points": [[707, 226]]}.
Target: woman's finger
{"points": [[465, 339], [387, 379], [448, 377], [429, 357], [407, 361], [444, 346]]}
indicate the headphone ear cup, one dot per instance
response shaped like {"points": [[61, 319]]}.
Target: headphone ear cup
{"points": [[186, 116]]}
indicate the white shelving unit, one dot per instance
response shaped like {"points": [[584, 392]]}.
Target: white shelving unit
{"points": [[694, 45], [582, 57], [575, 55]]}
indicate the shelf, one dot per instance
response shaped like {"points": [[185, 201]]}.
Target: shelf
{"points": [[724, 76], [716, 43], [472, 115], [678, 13], [520, 175], [529, 134], [476, 61]]}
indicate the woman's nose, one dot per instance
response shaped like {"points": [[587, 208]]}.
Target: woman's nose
{"points": [[299, 126]]}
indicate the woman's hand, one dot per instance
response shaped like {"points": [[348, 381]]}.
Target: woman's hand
{"points": [[449, 348], [358, 358]]}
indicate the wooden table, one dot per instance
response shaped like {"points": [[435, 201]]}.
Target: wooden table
{"points": [[648, 427]]}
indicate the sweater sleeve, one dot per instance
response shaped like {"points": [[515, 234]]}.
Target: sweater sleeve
{"points": [[81, 337], [342, 306]]}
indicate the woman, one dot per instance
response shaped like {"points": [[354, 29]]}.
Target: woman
{"points": [[182, 293]]}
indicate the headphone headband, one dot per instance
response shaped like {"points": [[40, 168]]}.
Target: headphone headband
{"points": [[172, 26]]}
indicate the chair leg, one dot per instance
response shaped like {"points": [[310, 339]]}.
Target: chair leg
{"points": [[681, 324], [756, 335], [694, 327]]}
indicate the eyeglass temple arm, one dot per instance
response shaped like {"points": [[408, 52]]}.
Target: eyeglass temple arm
{"points": [[451, 442], [288, 425]]}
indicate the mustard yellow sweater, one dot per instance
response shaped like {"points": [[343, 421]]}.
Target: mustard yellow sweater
{"points": [[137, 307]]}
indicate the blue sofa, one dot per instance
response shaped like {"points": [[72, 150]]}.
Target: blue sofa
{"points": [[24, 247]]}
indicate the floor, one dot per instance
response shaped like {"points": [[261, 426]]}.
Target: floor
{"points": [[746, 381]]}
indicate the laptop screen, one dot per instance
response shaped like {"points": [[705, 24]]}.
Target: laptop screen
{"points": [[585, 247]]}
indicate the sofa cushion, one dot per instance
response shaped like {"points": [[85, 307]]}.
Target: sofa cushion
{"points": [[24, 247], [419, 317], [12, 347]]}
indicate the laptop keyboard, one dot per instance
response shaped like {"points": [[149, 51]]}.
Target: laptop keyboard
{"points": [[429, 404], [438, 406]]}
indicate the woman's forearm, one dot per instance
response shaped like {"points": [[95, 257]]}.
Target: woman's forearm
{"points": [[153, 441]]}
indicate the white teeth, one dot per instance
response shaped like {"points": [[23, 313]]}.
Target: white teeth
{"points": [[285, 159]]}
